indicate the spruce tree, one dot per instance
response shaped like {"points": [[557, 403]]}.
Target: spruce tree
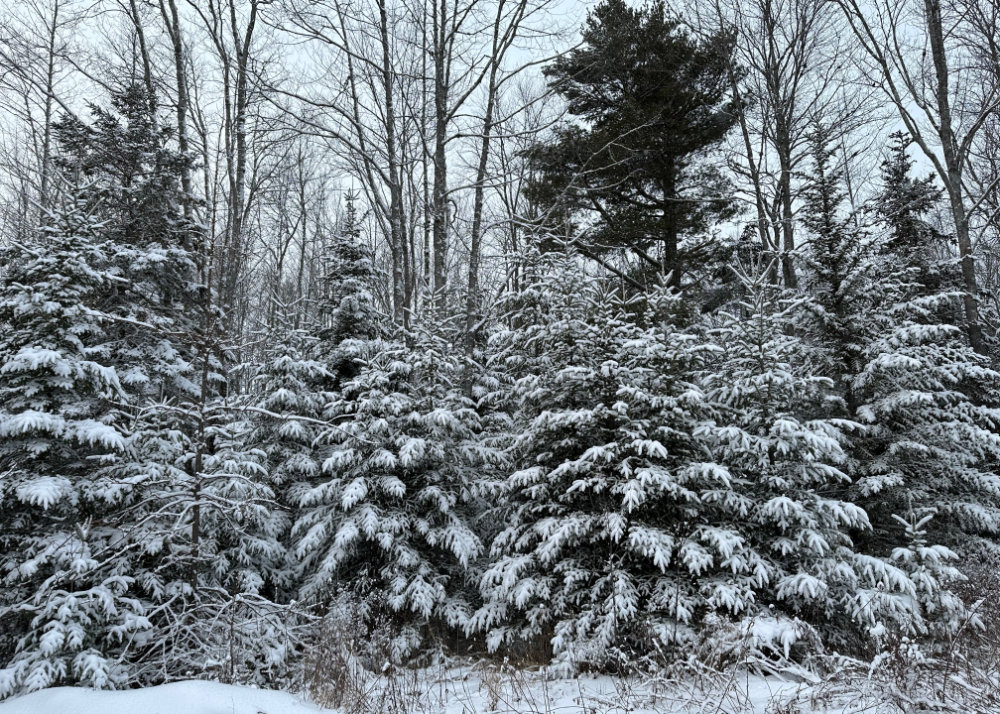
{"points": [[133, 184], [903, 203]]}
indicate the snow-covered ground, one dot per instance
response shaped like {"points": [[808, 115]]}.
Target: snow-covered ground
{"points": [[468, 691], [177, 698], [487, 689]]}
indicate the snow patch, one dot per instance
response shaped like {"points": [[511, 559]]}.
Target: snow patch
{"points": [[193, 697]]}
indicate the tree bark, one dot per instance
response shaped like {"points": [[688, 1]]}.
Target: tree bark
{"points": [[954, 166], [172, 20], [395, 175], [439, 196]]}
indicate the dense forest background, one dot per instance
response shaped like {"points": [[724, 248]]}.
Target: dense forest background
{"points": [[465, 327]]}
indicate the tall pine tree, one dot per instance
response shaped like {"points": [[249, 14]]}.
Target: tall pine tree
{"points": [[652, 100]]}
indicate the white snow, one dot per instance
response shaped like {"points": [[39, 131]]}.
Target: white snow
{"points": [[178, 698], [487, 688]]}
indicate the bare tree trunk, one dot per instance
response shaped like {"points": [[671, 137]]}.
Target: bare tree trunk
{"points": [[787, 213], [303, 225], [395, 175], [172, 21], [753, 169], [234, 262], [147, 70], [499, 47], [954, 180], [439, 199], [46, 168], [783, 100]]}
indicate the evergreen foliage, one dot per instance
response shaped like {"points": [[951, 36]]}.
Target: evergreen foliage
{"points": [[390, 520], [640, 468], [652, 98], [603, 543], [792, 554], [907, 375], [64, 619]]}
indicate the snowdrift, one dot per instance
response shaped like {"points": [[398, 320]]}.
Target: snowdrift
{"points": [[176, 698]]}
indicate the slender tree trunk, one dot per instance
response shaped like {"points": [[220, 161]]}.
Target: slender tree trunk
{"points": [[440, 188], [300, 313], [425, 177], [954, 184], [475, 249], [147, 70], [755, 179], [242, 43], [172, 21], [787, 216], [670, 259], [395, 175], [50, 72]]}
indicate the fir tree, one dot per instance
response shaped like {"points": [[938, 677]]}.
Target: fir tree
{"points": [[133, 184], [389, 522], [903, 204], [605, 508], [788, 520], [198, 524], [293, 393], [70, 617], [304, 375], [920, 392], [348, 316]]}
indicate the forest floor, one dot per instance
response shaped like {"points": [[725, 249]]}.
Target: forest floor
{"points": [[486, 689]]}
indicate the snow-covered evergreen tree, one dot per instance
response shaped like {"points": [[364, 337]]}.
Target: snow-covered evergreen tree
{"points": [[348, 319], [292, 394], [786, 516], [206, 528], [605, 519], [903, 203], [70, 618], [389, 520], [908, 376], [195, 523], [304, 371], [133, 184]]}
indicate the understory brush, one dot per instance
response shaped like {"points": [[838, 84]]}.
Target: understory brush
{"points": [[751, 667]]}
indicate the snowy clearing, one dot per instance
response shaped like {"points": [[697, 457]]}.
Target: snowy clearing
{"points": [[467, 690], [177, 698]]}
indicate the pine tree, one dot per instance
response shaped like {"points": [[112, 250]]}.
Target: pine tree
{"points": [[652, 100]]}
